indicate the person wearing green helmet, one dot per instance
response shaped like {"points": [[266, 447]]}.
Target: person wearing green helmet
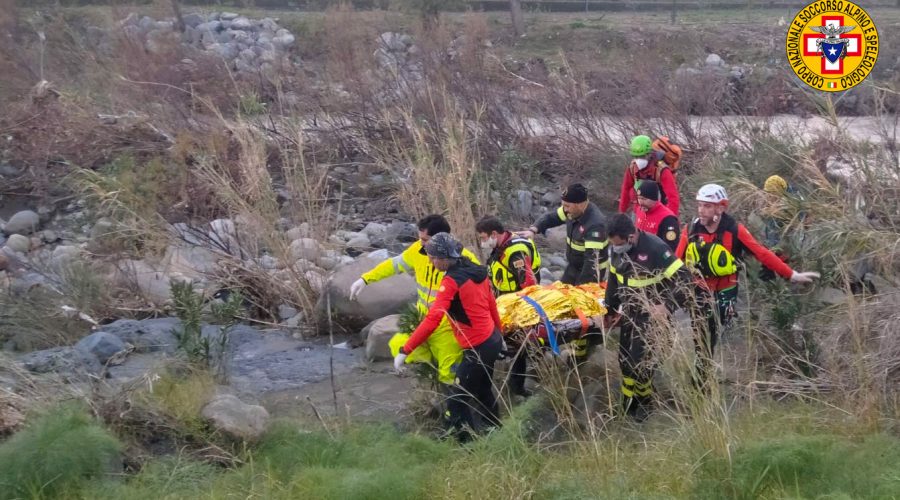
{"points": [[647, 163]]}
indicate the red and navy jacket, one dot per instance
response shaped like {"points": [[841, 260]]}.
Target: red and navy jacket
{"points": [[466, 298], [655, 172], [660, 221], [737, 240]]}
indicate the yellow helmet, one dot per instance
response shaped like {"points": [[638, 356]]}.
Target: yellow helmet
{"points": [[775, 185]]}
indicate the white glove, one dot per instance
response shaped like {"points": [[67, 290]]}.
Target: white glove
{"points": [[399, 360], [357, 287], [804, 277]]}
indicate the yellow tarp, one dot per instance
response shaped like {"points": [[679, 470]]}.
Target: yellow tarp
{"points": [[558, 300]]}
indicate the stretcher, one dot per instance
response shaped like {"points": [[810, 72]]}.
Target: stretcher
{"points": [[543, 315], [552, 315]]}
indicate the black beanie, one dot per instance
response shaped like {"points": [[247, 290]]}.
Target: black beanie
{"points": [[575, 193], [648, 189]]}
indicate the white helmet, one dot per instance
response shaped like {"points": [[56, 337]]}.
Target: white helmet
{"points": [[712, 193]]}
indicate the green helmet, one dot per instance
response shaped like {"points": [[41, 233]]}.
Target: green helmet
{"points": [[640, 145]]}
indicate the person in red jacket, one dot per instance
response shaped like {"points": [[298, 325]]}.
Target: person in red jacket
{"points": [[654, 217], [713, 244], [465, 296], [648, 163]]}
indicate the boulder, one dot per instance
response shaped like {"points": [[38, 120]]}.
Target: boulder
{"points": [[359, 240], [103, 345], [193, 261], [241, 23], [64, 255], [18, 243], [522, 204], [556, 238], [305, 248], [24, 222], [714, 60], [64, 360], [192, 20], [551, 198], [153, 285], [547, 277], [149, 335], [387, 296], [231, 416], [228, 16], [4, 262], [286, 312], [377, 335]]}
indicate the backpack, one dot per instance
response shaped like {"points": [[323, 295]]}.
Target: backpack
{"points": [[671, 152], [671, 159]]}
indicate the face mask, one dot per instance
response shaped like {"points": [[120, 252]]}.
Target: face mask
{"points": [[489, 244], [641, 163], [620, 249]]}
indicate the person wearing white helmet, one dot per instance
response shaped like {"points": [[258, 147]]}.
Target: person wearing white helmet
{"points": [[713, 244]]}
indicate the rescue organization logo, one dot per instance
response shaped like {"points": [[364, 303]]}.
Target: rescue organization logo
{"points": [[832, 45]]}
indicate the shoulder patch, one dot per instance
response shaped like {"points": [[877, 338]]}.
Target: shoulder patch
{"points": [[519, 264], [441, 289], [594, 234], [671, 235], [667, 254]]}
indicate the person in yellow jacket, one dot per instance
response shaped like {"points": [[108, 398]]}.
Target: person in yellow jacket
{"points": [[442, 345]]}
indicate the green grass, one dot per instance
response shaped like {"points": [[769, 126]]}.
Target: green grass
{"points": [[778, 450], [55, 454]]}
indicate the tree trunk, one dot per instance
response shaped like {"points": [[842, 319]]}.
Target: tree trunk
{"points": [[179, 21], [515, 9]]}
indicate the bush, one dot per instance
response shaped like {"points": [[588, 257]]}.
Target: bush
{"points": [[55, 454]]}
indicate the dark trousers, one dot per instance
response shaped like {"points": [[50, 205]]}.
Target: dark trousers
{"points": [[717, 311], [473, 392], [635, 363]]}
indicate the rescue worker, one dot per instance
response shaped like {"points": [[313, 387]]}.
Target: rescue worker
{"points": [[646, 280], [653, 217], [648, 164], [465, 296], [444, 349], [714, 243], [514, 264], [585, 235]]}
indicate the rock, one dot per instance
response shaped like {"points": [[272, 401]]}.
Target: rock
{"points": [[268, 262], [714, 60], [551, 198], [225, 50], [103, 345], [102, 228], [305, 248], [556, 238], [286, 312], [831, 296], [316, 280], [360, 240], [26, 283], [557, 261], [233, 417], [283, 41], [522, 204], [153, 285], [146, 23], [149, 335], [18, 243], [48, 236], [328, 262], [64, 255], [211, 26], [241, 23], [4, 262], [377, 299], [192, 20], [547, 276], [228, 16], [63, 360], [377, 335], [194, 261], [24, 222]]}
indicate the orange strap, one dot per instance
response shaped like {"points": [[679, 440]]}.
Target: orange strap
{"points": [[583, 319]]}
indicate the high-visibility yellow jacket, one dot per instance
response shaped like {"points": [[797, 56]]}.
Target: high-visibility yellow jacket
{"points": [[414, 261]]}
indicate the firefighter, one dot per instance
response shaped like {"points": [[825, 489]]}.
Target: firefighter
{"points": [[514, 264], [585, 236], [713, 244], [444, 349], [646, 280], [465, 296], [647, 163], [654, 217], [586, 244]]}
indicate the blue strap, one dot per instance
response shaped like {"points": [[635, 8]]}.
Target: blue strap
{"points": [[551, 333]]}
